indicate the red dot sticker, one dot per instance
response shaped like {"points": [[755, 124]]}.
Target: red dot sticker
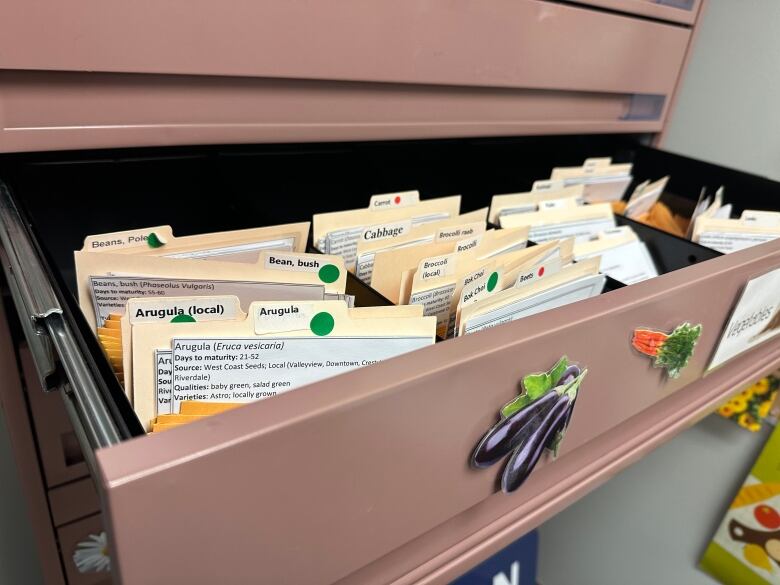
{"points": [[397, 199], [541, 271]]}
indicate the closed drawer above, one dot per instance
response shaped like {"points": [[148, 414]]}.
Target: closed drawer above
{"points": [[529, 44], [281, 71]]}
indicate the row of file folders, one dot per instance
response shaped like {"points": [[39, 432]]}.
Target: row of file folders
{"points": [[199, 324]]}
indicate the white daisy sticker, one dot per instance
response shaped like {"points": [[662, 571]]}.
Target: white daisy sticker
{"points": [[91, 555]]}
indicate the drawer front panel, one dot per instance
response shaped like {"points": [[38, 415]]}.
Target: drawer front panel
{"points": [[45, 111], [347, 470], [280, 71], [73, 501], [60, 453], [504, 43]]}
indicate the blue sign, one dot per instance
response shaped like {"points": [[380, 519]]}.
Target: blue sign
{"points": [[514, 565]]}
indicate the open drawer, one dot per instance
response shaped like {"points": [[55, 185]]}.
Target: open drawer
{"points": [[364, 477]]}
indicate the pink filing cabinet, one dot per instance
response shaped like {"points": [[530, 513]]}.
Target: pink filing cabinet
{"points": [[362, 478]]}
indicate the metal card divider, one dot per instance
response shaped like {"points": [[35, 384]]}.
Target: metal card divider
{"points": [[365, 296], [669, 252]]}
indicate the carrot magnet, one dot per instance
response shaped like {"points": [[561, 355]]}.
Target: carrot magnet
{"points": [[672, 350], [534, 421]]}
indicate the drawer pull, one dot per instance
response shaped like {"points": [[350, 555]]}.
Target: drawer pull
{"points": [[681, 4], [645, 107]]}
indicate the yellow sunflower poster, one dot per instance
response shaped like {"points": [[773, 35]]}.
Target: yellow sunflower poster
{"points": [[753, 405]]}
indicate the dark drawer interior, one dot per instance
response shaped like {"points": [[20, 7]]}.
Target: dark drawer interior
{"points": [[202, 189], [68, 195]]}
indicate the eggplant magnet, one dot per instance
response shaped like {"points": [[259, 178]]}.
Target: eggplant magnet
{"points": [[535, 420]]}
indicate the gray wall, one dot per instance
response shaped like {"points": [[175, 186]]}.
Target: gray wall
{"points": [[18, 556], [728, 111], [650, 524]]}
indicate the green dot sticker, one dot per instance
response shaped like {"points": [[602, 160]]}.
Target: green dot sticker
{"points": [[183, 319], [492, 281], [154, 241], [322, 323], [329, 273]]}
